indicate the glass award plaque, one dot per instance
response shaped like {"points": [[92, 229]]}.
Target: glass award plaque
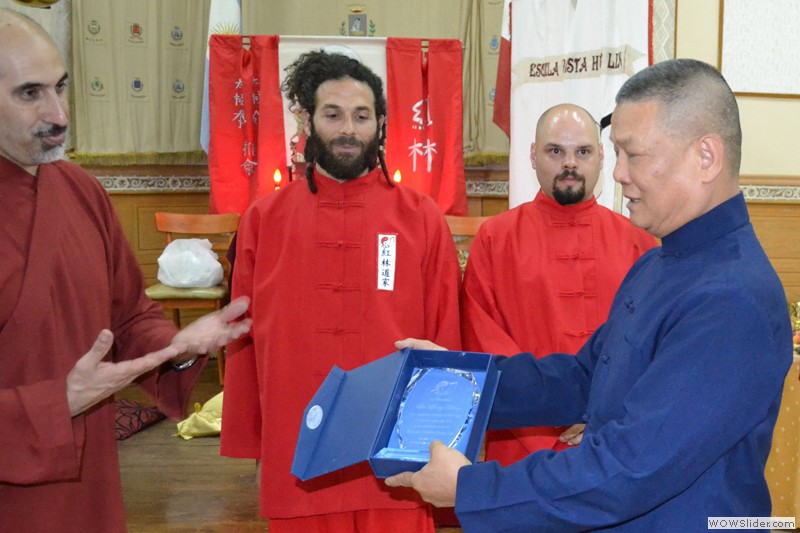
{"points": [[437, 404]]}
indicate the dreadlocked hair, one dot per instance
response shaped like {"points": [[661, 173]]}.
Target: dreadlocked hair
{"points": [[314, 68], [310, 176]]}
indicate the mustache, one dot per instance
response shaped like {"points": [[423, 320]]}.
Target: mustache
{"points": [[346, 141], [571, 174], [51, 132]]}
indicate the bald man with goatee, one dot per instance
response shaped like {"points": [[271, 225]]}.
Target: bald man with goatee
{"points": [[541, 277]]}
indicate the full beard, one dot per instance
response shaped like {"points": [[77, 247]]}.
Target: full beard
{"points": [[570, 195], [346, 166]]}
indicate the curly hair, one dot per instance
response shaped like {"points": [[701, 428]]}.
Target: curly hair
{"points": [[304, 78]]}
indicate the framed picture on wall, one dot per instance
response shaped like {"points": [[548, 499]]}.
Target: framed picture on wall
{"points": [[357, 25], [759, 49]]}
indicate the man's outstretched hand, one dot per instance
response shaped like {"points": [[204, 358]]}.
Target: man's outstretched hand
{"points": [[213, 330], [437, 480], [92, 379]]}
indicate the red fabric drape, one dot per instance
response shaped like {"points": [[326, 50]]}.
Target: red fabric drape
{"points": [[502, 87], [246, 142], [424, 128]]}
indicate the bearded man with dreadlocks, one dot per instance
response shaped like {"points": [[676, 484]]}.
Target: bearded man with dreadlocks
{"points": [[338, 266]]}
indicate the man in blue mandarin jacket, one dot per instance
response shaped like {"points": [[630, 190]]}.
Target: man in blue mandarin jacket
{"points": [[681, 387]]}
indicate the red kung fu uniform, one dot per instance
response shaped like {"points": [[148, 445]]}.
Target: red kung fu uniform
{"points": [[67, 272], [541, 278], [335, 278]]}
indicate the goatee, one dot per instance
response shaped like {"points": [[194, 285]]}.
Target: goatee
{"points": [[50, 153], [570, 195]]}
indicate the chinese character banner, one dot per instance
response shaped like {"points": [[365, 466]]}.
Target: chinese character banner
{"points": [[424, 137], [246, 145]]}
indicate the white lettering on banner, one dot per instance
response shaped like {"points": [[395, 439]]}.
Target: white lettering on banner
{"points": [[239, 118], [419, 123], [428, 148], [256, 93], [751, 522], [248, 149], [387, 260], [249, 156], [238, 101], [589, 64], [249, 165]]}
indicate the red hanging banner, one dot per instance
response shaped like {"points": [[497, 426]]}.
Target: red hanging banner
{"points": [[424, 123], [246, 121]]}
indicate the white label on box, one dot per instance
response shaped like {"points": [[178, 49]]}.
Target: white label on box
{"points": [[314, 417]]}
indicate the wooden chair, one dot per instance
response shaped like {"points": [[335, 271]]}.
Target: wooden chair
{"points": [[464, 230], [219, 229]]}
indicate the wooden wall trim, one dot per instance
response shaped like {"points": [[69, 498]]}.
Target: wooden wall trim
{"points": [[154, 184], [771, 194], [775, 181], [481, 182]]}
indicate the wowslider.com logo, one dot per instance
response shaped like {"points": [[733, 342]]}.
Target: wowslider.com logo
{"points": [[751, 522]]}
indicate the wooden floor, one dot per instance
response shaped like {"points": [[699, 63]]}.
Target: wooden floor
{"points": [[173, 485]]}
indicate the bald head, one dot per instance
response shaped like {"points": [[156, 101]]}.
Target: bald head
{"points": [[17, 29], [563, 112], [566, 154], [11, 17], [19, 34], [33, 98]]}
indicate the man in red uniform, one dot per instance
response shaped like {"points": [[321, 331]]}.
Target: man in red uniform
{"points": [[541, 277], [74, 320], [338, 265]]}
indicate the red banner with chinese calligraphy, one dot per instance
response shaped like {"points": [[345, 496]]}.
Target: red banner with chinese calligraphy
{"points": [[424, 128], [246, 144]]}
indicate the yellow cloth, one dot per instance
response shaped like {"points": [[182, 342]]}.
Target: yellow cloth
{"points": [[206, 421], [782, 472]]}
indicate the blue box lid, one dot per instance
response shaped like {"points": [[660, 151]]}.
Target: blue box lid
{"points": [[341, 422]]}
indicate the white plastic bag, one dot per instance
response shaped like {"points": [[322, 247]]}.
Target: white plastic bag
{"points": [[189, 263]]}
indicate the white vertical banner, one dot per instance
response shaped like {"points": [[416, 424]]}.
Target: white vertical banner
{"points": [[224, 17], [576, 52], [371, 52]]}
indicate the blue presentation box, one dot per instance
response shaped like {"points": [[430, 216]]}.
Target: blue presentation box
{"points": [[353, 416]]}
